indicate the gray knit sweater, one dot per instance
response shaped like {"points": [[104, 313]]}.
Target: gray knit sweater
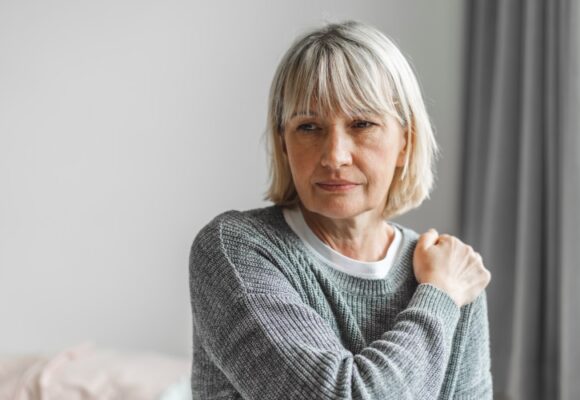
{"points": [[271, 320]]}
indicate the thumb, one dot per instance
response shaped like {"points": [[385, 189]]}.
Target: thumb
{"points": [[428, 239]]}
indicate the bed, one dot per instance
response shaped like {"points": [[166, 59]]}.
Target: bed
{"points": [[87, 371]]}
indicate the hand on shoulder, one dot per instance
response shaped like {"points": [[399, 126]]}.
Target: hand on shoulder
{"points": [[451, 265]]}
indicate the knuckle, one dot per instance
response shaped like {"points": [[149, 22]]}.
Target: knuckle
{"points": [[448, 239], [487, 275]]}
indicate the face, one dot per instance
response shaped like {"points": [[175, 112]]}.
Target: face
{"points": [[343, 167]]}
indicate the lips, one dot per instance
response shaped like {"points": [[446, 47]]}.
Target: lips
{"points": [[339, 185], [337, 182]]}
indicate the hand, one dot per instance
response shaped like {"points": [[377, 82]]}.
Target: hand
{"points": [[451, 265]]}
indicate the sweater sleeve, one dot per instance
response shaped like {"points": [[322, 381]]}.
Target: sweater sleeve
{"points": [[271, 345], [474, 379]]}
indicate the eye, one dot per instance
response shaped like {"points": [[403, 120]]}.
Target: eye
{"points": [[307, 127], [363, 124]]}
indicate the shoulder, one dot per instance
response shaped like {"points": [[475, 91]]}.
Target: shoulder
{"points": [[409, 237], [243, 250], [410, 233], [232, 227]]}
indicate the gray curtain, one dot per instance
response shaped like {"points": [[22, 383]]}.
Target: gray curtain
{"points": [[521, 189]]}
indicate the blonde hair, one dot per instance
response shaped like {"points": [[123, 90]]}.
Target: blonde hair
{"points": [[346, 67]]}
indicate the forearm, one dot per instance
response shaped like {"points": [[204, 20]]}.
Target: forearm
{"points": [[272, 348], [474, 380]]}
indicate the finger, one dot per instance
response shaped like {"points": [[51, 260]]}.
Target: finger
{"points": [[445, 237], [428, 239]]}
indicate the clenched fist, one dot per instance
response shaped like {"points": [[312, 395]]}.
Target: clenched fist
{"points": [[451, 265]]}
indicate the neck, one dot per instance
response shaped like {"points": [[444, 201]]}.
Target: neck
{"points": [[365, 237]]}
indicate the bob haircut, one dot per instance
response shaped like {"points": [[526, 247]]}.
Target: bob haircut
{"points": [[345, 68]]}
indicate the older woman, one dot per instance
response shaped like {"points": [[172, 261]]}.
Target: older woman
{"points": [[320, 296]]}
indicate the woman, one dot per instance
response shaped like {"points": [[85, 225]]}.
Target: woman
{"points": [[319, 296]]}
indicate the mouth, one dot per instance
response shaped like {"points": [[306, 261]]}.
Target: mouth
{"points": [[337, 186]]}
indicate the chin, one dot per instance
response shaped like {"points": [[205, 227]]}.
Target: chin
{"points": [[334, 210]]}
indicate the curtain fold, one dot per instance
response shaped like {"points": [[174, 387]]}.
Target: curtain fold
{"points": [[521, 189]]}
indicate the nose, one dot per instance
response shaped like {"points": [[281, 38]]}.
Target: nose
{"points": [[336, 150]]}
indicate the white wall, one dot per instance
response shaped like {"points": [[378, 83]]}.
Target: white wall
{"points": [[125, 126]]}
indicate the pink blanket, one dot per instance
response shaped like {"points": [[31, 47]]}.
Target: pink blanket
{"points": [[87, 372]]}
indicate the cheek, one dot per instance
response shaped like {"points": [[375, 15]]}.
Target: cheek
{"points": [[301, 166], [379, 166]]}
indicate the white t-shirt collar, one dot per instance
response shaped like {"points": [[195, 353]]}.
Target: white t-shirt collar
{"points": [[362, 269]]}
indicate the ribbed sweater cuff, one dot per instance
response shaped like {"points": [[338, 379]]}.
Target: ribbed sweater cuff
{"points": [[437, 302]]}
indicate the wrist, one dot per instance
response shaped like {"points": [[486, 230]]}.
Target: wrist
{"points": [[451, 293]]}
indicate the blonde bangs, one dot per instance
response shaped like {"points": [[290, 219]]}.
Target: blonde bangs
{"points": [[335, 80]]}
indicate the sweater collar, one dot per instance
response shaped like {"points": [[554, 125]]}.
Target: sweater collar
{"points": [[399, 274]]}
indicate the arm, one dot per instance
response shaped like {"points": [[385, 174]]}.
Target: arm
{"points": [[272, 345], [474, 380]]}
